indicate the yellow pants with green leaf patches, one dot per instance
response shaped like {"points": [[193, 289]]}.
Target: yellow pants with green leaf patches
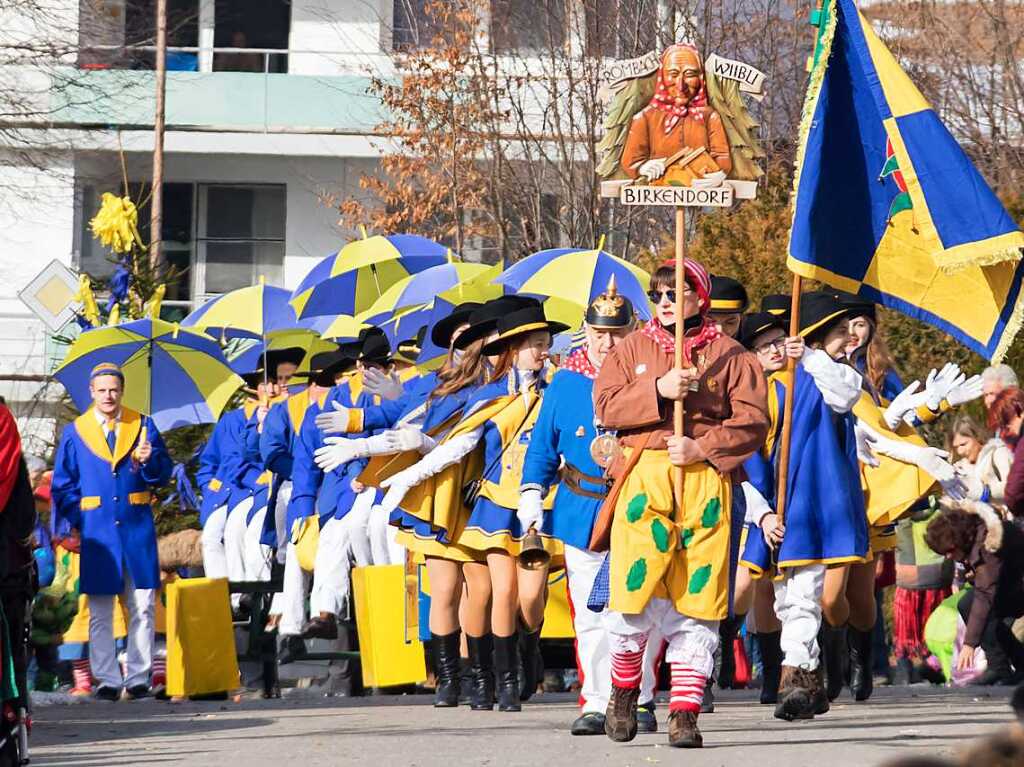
{"points": [[659, 550]]}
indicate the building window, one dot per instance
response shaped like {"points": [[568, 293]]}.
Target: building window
{"points": [[527, 26], [252, 24], [241, 236], [621, 29]]}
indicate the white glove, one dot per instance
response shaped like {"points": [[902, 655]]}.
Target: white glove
{"points": [[974, 486], [382, 384], [907, 401], [936, 462], [531, 509], [967, 391], [409, 438], [938, 384], [333, 422], [397, 486], [338, 451], [866, 438], [653, 169]]}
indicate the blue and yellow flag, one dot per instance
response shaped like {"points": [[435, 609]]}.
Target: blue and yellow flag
{"points": [[886, 203]]}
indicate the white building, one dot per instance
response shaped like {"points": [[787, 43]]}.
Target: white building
{"points": [[256, 138]]}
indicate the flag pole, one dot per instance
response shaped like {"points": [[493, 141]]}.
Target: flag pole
{"points": [[787, 413], [677, 414]]}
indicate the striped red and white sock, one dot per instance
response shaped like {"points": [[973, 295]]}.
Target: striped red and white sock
{"points": [[628, 667], [82, 675], [687, 688], [159, 671]]}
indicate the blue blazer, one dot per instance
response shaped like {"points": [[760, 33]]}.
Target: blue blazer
{"points": [[109, 499]]}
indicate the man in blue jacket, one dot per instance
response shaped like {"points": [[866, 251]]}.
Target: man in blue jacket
{"points": [[109, 461], [567, 444]]}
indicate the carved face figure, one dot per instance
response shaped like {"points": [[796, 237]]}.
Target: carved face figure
{"points": [[682, 74]]}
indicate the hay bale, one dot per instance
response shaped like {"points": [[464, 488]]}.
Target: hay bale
{"points": [[181, 549]]}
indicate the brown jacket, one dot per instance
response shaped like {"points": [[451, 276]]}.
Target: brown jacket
{"points": [[727, 415], [995, 567], [647, 139]]}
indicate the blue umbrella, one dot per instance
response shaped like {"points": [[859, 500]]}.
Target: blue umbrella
{"points": [[349, 281], [176, 376], [579, 276], [252, 312]]}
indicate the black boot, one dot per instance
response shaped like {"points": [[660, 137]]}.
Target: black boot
{"points": [[727, 631], [446, 666], [481, 667], [835, 651], [533, 664], [771, 665], [862, 681], [506, 666]]}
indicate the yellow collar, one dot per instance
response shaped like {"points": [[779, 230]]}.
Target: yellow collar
{"points": [[297, 406], [91, 432]]}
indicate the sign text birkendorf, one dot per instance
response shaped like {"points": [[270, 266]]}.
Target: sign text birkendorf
{"points": [[685, 196]]}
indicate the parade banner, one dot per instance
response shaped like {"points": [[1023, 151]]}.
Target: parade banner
{"points": [[887, 204], [751, 80]]}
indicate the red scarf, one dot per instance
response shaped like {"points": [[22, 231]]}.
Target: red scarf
{"points": [[579, 362], [663, 101], [693, 341]]}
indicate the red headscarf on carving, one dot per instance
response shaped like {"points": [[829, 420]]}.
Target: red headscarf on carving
{"points": [[665, 101]]}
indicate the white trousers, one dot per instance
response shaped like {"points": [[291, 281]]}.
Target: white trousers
{"points": [[284, 495], [215, 562], [798, 605], [357, 528], [102, 655], [691, 641], [384, 545], [290, 602], [331, 571], [592, 647], [234, 543], [256, 556]]}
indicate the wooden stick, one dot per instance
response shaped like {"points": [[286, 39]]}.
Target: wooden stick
{"points": [[787, 416], [677, 414], [157, 193]]}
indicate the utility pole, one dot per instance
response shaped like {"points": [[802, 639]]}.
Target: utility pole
{"points": [[156, 198]]}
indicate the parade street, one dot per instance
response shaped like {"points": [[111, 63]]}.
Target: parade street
{"points": [[303, 730]]}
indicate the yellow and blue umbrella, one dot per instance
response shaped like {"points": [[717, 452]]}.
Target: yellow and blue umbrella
{"points": [[420, 289], [578, 276], [252, 312], [342, 328], [349, 281], [176, 376], [404, 324]]}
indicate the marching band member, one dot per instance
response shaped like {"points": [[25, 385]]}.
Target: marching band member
{"points": [[277, 445], [109, 461], [825, 519], [499, 418], [564, 448], [247, 558], [670, 558]]}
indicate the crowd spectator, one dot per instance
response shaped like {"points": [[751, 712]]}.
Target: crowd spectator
{"points": [[992, 551], [1005, 417], [983, 461], [994, 380]]}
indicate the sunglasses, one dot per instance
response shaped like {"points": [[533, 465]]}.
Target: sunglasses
{"points": [[655, 295]]}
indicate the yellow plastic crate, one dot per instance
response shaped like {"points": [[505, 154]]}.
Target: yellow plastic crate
{"points": [[200, 640], [390, 653]]}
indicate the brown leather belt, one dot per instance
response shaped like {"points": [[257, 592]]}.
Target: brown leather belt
{"points": [[572, 477]]}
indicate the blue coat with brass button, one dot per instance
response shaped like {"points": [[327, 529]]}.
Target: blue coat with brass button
{"points": [[108, 498]]}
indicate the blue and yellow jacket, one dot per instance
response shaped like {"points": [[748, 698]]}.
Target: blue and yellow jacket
{"points": [[108, 497]]}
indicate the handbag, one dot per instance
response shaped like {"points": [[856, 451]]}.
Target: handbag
{"points": [[601, 535], [471, 490]]}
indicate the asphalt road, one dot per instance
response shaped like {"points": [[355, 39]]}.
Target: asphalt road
{"points": [[305, 729]]}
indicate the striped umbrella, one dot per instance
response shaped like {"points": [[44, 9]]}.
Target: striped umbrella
{"points": [[175, 376], [420, 289], [349, 281], [578, 276], [252, 312]]}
